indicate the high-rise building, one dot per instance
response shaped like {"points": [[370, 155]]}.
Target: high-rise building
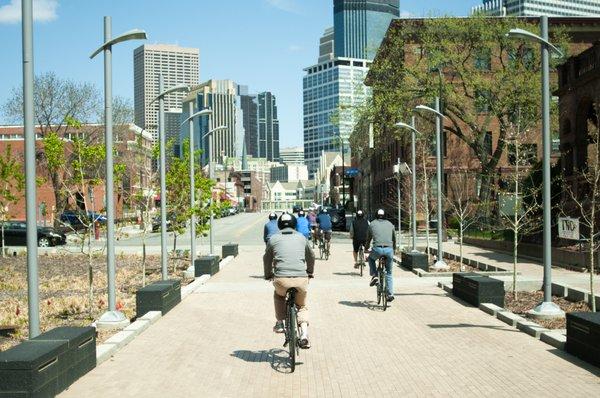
{"points": [[293, 155], [249, 105], [178, 65], [173, 127], [268, 127], [534, 8], [360, 26], [326, 45], [327, 86], [220, 96]]}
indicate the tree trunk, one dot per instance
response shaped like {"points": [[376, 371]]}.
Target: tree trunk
{"points": [[3, 251], [60, 198], [90, 274], [462, 267], [143, 262], [515, 245]]}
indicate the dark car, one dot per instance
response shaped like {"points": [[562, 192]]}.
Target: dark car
{"points": [[15, 234], [338, 218], [156, 222], [296, 208]]}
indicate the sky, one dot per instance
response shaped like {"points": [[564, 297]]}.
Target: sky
{"points": [[264, 44]]}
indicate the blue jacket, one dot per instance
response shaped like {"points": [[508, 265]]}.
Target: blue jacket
{"points": [[271, 229], [324, 221], [303, 226]]}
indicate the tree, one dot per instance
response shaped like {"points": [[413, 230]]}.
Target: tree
{"points": [[12, 181], [586, 195], [463, 203], [481, 75]]}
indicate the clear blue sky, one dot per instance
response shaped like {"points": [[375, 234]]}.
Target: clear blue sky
{"points": [[264, 44]]}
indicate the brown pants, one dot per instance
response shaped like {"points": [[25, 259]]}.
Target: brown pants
{"points": [[281, 286]]}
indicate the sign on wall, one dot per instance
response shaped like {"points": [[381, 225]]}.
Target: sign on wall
{"points": [[568, 228]]}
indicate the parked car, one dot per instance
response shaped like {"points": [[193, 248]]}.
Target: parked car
{"points": [[338, 218], [78, 219], [156, 222], [15, 234], [296, 208]]}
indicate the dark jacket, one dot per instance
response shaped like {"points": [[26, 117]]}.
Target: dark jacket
{"points": [[271, 229], [359, 230]]}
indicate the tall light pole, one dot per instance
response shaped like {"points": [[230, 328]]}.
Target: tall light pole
{"points": [[163, 168], [190, 120], [211, 237], [440, 263], [30, 187], [413, 209], [112, 318], [546, 309]]}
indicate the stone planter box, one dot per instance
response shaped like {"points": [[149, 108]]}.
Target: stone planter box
{"points": [[583, 336], [206, 265], [477, 289], [159, 296], [32, 368], [230, 249], [415, 261], [80, 356]]}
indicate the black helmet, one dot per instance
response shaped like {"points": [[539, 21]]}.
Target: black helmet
{"points": [[272, 216], [286, 221], [301, 213], [360, 214], [380, 214]]}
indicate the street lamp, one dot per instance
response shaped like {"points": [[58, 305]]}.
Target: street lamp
{"points": [[400, 169], [414, 132], [210, 175], [440, 263], [343, 203], [30, 169], [162, 167], [546, 309], [112, 318], [190, 120]]}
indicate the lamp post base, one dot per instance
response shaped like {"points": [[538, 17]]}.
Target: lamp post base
{"points": [[112, 320], [190, 272], [547, 310], [440, 265]]}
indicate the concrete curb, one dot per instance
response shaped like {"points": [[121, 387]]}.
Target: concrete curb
{"points": [[119, 340]]}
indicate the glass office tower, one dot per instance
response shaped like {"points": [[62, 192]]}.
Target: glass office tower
{"points": [[534, 8]]}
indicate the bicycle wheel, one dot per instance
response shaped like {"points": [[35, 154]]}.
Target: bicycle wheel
{"points": [[361, 260], [384, 290], [327, 247], [293, 346], [321, 250], [379, 287]]}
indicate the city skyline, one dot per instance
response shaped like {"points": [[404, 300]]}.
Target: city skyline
{"points": [[293, 28]]}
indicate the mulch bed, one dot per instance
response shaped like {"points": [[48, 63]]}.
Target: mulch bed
{"points": [[64, 292], [455, 267], [528, 300]]}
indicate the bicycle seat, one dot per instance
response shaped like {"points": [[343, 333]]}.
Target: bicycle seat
{"points": [[292, 290]]}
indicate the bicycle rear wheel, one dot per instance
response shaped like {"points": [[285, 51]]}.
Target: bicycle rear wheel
{"points": [[361, 260], [383, 290], [327, 248], [379, 287], [293, 343]]}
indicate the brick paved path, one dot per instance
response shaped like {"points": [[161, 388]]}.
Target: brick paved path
{"points": [[219, 343]]}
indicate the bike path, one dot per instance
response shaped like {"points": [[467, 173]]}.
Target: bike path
{"points": [[219, 343]]}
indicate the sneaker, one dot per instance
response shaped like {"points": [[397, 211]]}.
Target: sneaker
{"points": [[279, 328], [303, 342], [374, 281], [356, 265], [390, 297]]}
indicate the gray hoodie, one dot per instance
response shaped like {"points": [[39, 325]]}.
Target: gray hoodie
{"points": [[288, 254]]}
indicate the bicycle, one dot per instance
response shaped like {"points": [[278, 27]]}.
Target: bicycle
{"points": [[361, 259], [291, 327], [382, 285]]}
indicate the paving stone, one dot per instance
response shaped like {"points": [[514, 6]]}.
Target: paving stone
{"points": [[151, 316], [121, 338], [489, 308], [138, 326], [555, 339], [509, 318], [531, 328], [104, 352]]}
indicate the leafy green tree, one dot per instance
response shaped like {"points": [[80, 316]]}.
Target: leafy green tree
{"points": [[12, 181], [481, 75]]}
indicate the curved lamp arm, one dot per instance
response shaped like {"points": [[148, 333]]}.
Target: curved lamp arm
{"points": [[214, 131], [181, 87], [135, 34], [407, 126], [203, 112], [428, 109], [527, 35]]}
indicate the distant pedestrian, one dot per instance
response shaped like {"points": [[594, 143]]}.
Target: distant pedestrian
{"points": [[271, 228]]}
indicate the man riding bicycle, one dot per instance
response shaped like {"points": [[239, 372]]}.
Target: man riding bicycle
{"points": [[289, 261], [302, 225], [383, 235], [325, 225], [359, 230], [270, 228]]}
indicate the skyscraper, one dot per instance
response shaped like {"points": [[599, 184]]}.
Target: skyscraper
{"points": [[326, 45], [534, 8], [249, 105], [221, 96], [178, 65], [268, 127], [326, 86], [360, 26], [294, 155]]}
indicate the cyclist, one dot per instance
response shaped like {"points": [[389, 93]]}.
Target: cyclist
{"points": [[270, 227], [383, 235], [358, 232], [290, 262], [325, 225], [302, 225]]}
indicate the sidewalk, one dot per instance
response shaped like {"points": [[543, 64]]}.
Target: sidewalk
{"points": [[219, 343], [530, 270]]}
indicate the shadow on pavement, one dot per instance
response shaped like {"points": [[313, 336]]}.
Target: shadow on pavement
{"points": [[278, 358], [362, 304], [576, 361], [420, 294], [469, 325], [347, 274], [257, 276]]}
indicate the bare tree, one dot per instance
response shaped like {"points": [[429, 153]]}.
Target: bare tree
{"points": [[12, 181], [586, 197]]}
